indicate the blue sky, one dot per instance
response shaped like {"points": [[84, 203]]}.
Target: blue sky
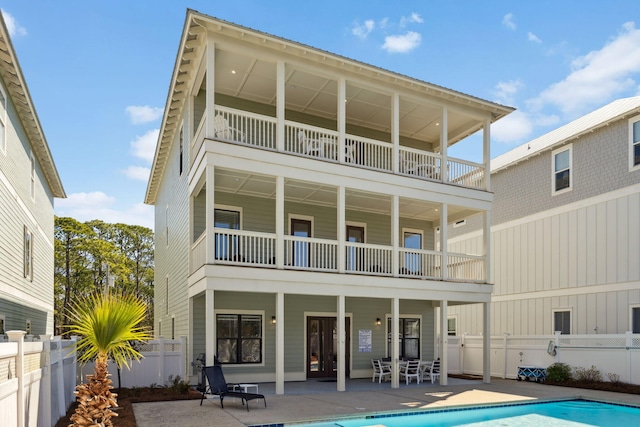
{"points": [[99, 71]]}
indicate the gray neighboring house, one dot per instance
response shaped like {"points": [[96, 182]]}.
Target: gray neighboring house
{"points": [[29, 182], [565, 233]]}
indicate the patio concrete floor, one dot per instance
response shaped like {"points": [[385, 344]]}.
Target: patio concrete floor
{"points": [[318, 401]]}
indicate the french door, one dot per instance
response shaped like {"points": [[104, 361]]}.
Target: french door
{"points": [[322, 347]]}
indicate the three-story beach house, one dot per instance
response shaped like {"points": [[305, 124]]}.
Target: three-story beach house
{"points": [[298, 196]]}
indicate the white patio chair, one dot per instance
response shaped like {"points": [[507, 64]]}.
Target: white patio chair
{"points": [[310, 147], [379, 370], [411, 370], [223, 130], [434, 370]]}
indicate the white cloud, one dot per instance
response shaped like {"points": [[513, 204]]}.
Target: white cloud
{"points": [[98, 205], [143, 113], [533, 38], [505, 91], [413, 18], [402, 43], [597, 76], [507, 21], [137, 173], [516, 127], [13, 27], [362, 31], [144, 147]]}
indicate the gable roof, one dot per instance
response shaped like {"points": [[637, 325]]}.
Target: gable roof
{"points": [[19, 93], [614, 111], [197, 24]]}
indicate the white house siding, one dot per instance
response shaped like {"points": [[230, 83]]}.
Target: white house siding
{"points": [[20, 298], [172, 261], [578, 251]]}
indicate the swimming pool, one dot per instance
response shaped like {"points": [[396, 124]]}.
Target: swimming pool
{"points": [[567, 413]]}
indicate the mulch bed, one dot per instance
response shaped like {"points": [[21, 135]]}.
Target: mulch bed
{"points": [[127, 396], [617, 387]]}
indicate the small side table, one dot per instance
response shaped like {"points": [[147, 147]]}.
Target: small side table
{"points": [[245, 387]]}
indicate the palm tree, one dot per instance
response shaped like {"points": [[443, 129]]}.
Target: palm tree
{"points": [[107, 323]]}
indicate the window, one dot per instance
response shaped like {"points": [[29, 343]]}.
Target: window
{"points": [[409, 336], [227, 243], [411, 260], [239, 338], [635, 319], [173, 328], [180, 155], [460, 223], [356, 255], [561, 169], [3, 120], [300, 252], [1, 324], [32, 184], [28, 254], [634, 142], [452, 326], [562, 321]]}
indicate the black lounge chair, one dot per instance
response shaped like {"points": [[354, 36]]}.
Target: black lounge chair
{"points": [[218, 386]]}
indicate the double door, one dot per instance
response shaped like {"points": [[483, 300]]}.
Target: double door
{"points": [[322, 347]]}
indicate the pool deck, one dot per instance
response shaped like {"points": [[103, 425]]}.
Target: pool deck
{"points": [[318, 401]]}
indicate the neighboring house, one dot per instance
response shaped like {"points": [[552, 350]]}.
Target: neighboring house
{"points": [[296, 194], [29, 182], [565, 234]]}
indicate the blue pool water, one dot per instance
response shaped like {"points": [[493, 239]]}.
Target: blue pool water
{"points": [[569, 413]]}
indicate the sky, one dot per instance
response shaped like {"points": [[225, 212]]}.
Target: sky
{"points": [[99, 72]]}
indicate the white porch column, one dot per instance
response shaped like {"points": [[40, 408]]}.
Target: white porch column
{"points": [[487, 246], [210, 214], [210, 100], [486, 141], [444, 238], [209, 327], [342, 118], [280, 343], [280, 103], [444, 342], [395, 344], [395, 131], [444, 144], [342, 230], [395, 234], [486, 343], [280, 222], [342, 339]]}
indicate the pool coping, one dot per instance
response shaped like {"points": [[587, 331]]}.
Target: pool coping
{"points": [[388, 414]]}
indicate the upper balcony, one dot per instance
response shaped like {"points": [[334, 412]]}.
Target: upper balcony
{"points": [[260, 131]]}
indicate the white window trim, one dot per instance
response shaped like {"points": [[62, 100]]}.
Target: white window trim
{"points": [[456, 318], [631, 307], [300, 217], [460, 223], [27, 258], [230, 208], [387, 317], [413, 230], [556, 310], [568, 147], [632, 167], [264, 321]]}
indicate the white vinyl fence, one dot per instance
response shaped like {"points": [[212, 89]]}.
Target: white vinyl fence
{"points": [[37, 380], [162, 359], [617, 354]]}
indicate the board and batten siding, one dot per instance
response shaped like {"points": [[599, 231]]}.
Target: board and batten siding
{"points": [[20, 297], [172, 261], [583, 257]]}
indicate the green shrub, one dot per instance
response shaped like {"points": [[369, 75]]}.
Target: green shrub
{"points": [[588, 374], [178, 385], [559, 372]]}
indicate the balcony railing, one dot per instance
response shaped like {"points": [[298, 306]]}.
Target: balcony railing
{"points": [[323, 144], [254, 249]]}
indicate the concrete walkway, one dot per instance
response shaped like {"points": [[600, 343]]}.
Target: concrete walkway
{"points": [[318, 406]]}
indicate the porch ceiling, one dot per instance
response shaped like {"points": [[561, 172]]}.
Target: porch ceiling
{"points": [[254, 185], [252, 79]]}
